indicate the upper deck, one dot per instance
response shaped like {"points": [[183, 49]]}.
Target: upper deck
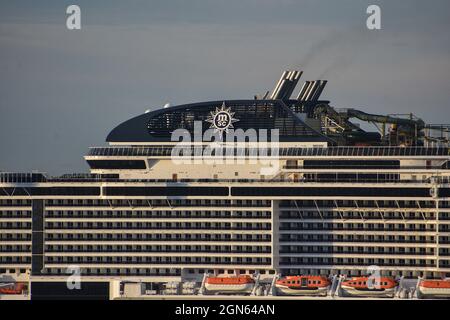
{"points": [[305, 121]]}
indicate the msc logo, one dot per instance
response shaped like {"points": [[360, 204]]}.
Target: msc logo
{"points": [[221, 119]]}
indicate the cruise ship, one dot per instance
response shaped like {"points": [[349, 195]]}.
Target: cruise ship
{"points": [[320, 196]]}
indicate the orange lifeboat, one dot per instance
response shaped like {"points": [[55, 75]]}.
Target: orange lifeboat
{"points": [[434, 288], [238, 284], [365, 287], [303, 285], [12, 288]]}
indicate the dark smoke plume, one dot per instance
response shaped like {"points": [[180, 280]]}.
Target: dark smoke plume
{"points": [[333, 53]]}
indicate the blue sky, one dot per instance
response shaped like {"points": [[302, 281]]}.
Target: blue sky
{"points": [[62, 91]]}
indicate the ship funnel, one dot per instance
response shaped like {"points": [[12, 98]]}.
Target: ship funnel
{"points": [[286, 85], [303, 90], [308, 90], [318, 92], [281, 89], [276, 89], [295, 76], [311, 90]]}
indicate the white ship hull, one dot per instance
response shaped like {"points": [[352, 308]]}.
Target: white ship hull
{"points": [[229, 288], [368, 293]]}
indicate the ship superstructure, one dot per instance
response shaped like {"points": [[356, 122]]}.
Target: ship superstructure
{"points": [[339, 200]]}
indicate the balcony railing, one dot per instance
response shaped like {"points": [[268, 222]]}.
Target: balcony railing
{"points": [[300, 152]]}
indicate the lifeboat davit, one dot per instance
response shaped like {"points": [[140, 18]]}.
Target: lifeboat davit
{"points": [[433, 288], [366, 287], [303, 285], [238, 284], [12, 288]]}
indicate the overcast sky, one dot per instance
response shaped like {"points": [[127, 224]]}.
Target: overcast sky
{"points": [[62, 91]]}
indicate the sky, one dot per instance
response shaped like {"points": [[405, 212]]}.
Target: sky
{"points": [[62, 91]]}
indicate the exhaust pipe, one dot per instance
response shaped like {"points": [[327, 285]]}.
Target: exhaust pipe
{"points": [[312, 91], [295, 76], [303, 90], [308, 90], [286, 85], [319, 90], [281, 89], [276, 89]]}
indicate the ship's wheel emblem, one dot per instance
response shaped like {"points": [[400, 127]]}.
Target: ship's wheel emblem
{"points": [[222, 119]]}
